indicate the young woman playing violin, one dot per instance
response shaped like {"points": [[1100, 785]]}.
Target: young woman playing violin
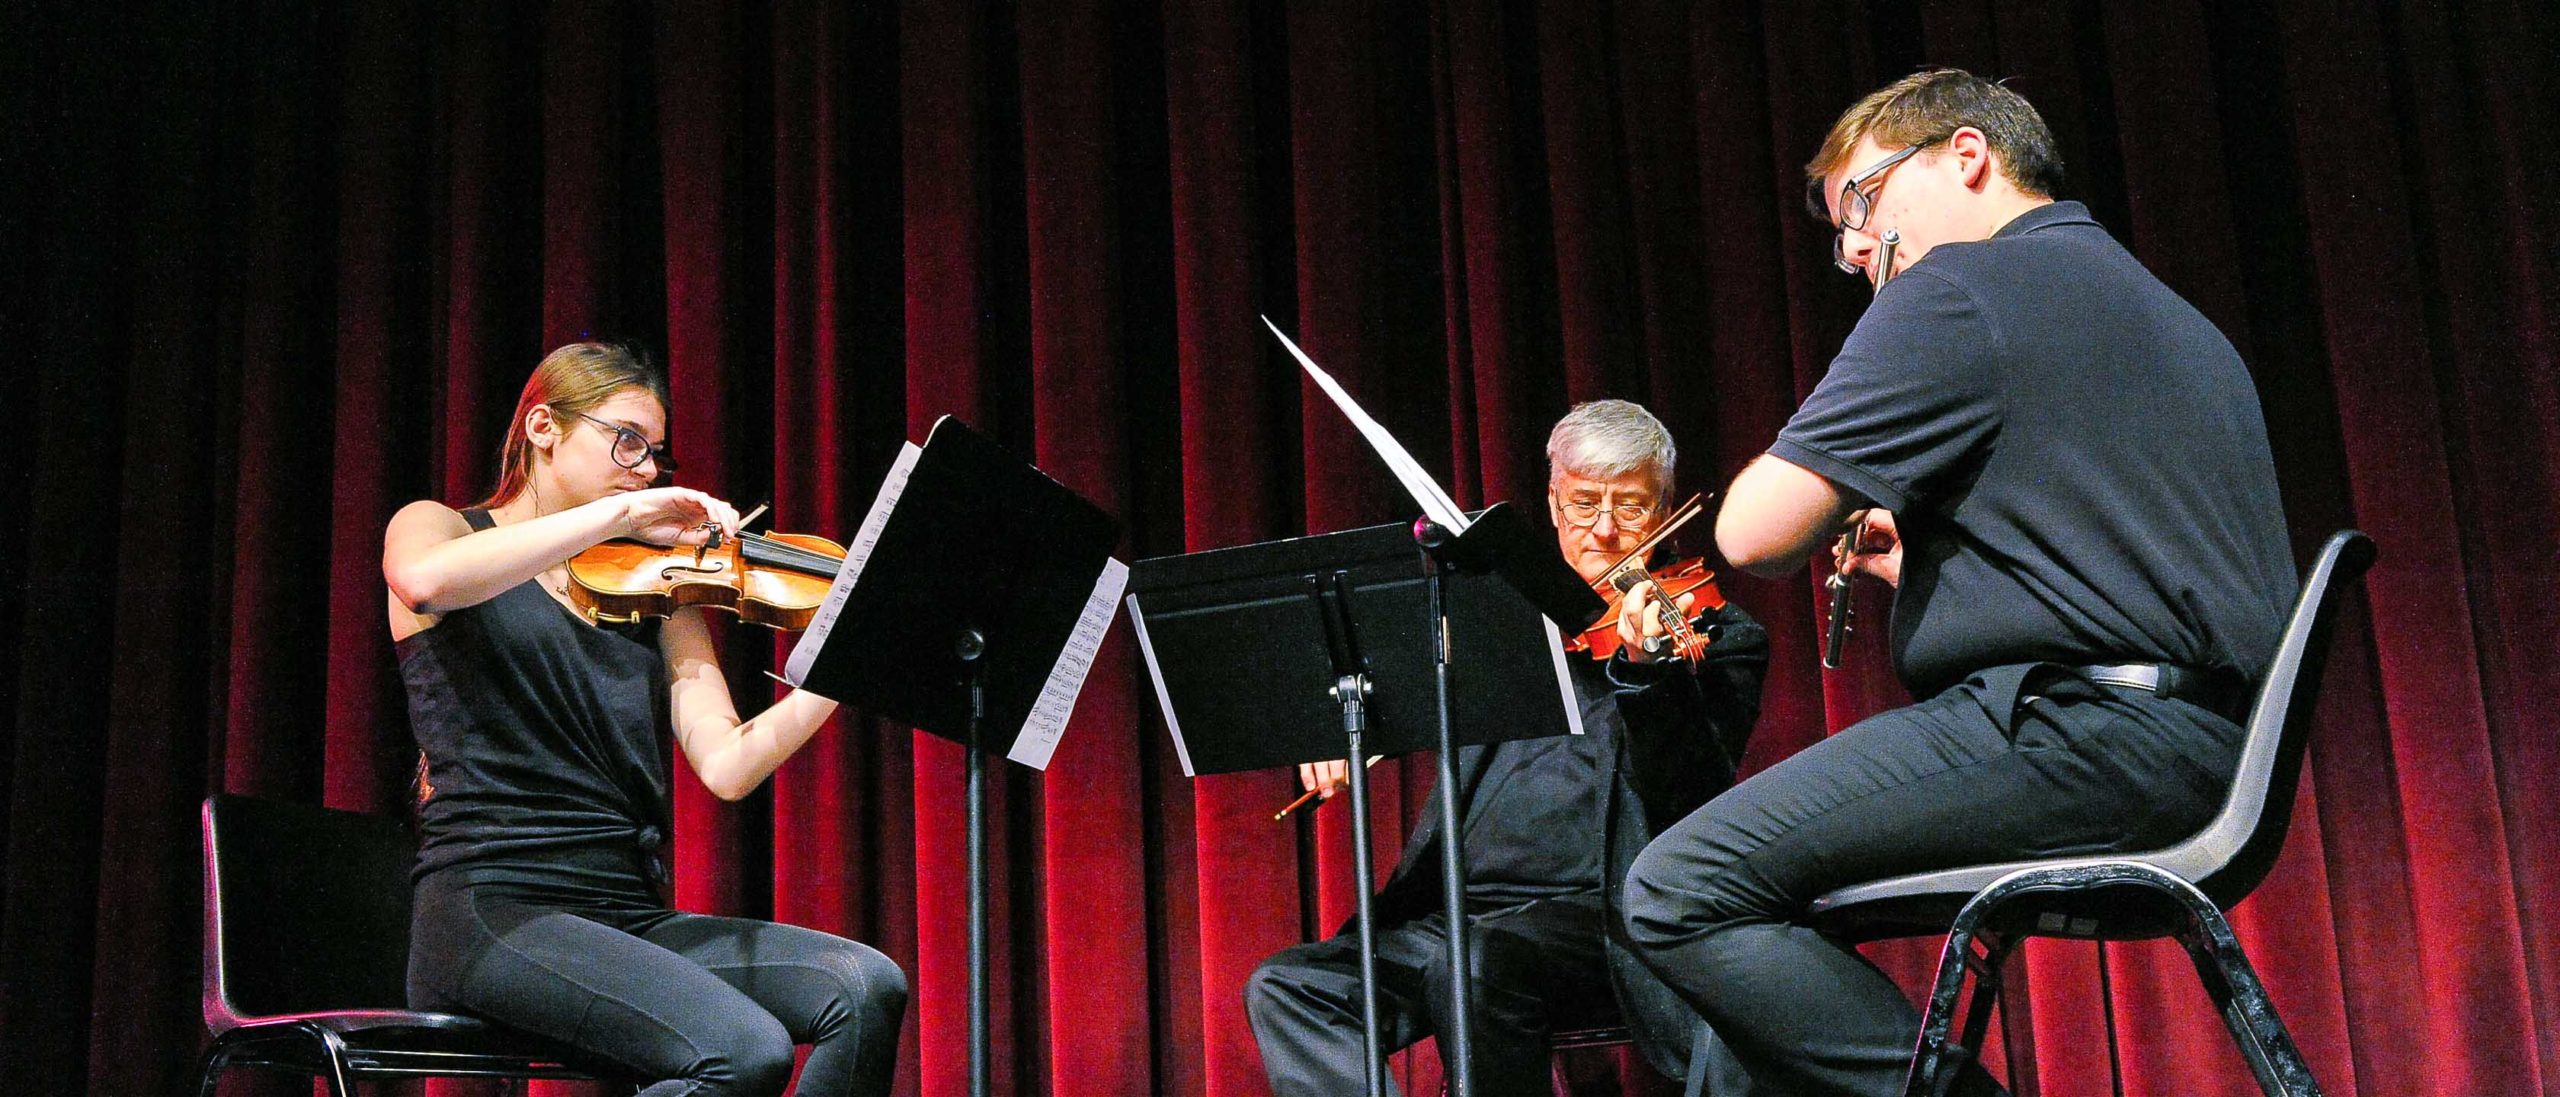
{"points": [[541, 900]]}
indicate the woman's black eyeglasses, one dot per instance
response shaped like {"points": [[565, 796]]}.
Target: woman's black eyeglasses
{"points": [[629, 448]]}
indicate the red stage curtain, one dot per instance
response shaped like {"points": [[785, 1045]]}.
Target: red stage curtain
{"points": [[271, 271]]}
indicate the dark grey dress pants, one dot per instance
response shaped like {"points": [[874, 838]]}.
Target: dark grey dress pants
{"points": [[2017, 762], [1537, 965]]}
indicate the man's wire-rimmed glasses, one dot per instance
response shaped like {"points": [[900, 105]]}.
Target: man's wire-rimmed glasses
{"points": [[1628, 515]]}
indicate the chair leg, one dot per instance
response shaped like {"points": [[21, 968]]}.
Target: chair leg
{"points": [[336, 1049], [1977, 1016], [1937, 1059], [2242, 999], [216, 1059]]}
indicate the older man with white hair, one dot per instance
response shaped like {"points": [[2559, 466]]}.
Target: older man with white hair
{"points": [[1551, 823]]}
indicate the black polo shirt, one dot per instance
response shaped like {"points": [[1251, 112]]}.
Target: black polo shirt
{"points": [[2075, 457]]}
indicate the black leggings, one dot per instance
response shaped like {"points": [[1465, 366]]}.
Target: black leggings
{"points": [[710, 1005]]}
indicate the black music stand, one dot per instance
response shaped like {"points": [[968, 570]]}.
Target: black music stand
{"points": [[1500, 543], [1318, 647], [970, 605]]}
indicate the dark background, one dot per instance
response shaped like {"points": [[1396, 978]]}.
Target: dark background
{"points": [[269, 270]]}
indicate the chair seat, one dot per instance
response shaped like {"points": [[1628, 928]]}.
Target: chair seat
{"points": [[348, 1021], [381, 1042], [391, 1026], [1924, 903], [1600, 1036]]}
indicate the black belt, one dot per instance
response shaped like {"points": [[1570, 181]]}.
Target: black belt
{"points": [[2219, 692]]}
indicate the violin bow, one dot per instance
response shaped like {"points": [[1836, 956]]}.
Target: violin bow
{"points": [[1696, 506]]}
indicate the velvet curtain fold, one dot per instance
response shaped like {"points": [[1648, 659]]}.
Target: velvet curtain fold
{"points": [[269, 271]]}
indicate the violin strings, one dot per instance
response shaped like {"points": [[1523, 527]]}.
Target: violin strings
{"points": [[1618, 575], [789, 555], [785, 552]]}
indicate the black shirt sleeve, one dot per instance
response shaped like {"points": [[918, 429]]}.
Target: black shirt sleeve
{"points": [[1911, 404]]}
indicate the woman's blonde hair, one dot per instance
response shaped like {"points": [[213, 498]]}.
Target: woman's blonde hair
{"points": [[573, 379]]}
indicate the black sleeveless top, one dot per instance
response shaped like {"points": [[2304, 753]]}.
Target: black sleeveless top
{"points": [[542, 738]]}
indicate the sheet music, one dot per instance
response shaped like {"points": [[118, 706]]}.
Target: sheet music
{"points": [[1435, 503], [1057, 700], [856, 554]]}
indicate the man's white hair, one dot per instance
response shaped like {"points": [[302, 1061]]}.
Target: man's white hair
{"points": [[1606, 439]]}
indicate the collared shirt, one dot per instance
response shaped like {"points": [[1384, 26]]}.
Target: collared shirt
{"points": [[2075, 457]]}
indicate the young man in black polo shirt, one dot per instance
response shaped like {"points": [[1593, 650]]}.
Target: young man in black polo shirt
{"points": [[1551, 824], [2070, 474]]}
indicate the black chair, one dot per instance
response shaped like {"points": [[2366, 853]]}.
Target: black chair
{"points": [[2177, 892], [1564, 1043], [306, 953]]}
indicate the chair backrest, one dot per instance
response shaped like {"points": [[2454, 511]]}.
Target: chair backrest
{"points": [[2233, 853], [305, 909]]}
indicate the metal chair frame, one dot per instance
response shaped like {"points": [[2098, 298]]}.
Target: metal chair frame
{"points": [[1560, 1080]]}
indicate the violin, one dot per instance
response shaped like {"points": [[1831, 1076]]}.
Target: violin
{"points": [[776, 580], [1689, 576]]}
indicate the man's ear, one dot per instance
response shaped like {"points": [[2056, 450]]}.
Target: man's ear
{"points": [[1971, 153]]}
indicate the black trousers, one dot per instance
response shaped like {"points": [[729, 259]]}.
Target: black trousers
{"points": [[1534, 963], [713, 1006], [2017, 762]]}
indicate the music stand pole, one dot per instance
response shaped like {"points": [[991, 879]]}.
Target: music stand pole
{"points": [[1457, 1044], [1351, 690], [971, 647]]}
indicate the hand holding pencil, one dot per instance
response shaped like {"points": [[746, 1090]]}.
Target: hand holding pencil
{"points": [[1322, 780]]}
